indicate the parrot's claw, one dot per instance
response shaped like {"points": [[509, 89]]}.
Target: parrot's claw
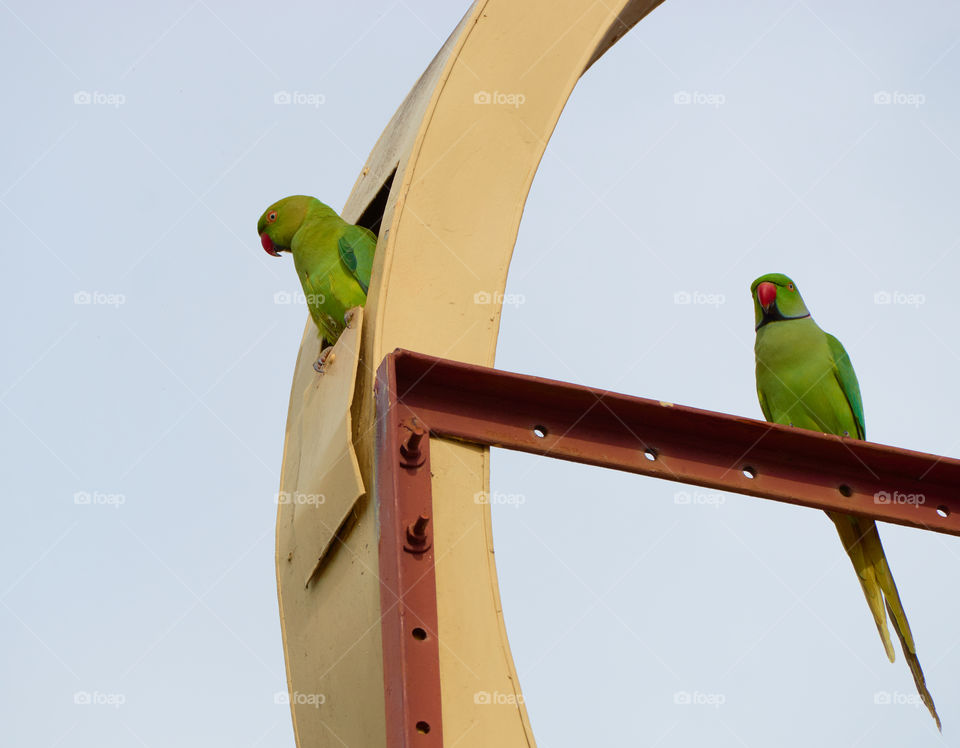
{"points": [[349, 316], [326, 359]]}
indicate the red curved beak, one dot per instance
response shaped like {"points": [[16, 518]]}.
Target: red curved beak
{"points": [[267, 243], [766, 295]]}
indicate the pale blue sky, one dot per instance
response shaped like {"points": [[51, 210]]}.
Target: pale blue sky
{"points": [[164, 398]]}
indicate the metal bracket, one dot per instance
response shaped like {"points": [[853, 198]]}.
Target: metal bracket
{"points": [[494, 408], [408, 588]]}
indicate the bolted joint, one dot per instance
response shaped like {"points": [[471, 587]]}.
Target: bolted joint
{"points": [[418, 540], [410, 454]]}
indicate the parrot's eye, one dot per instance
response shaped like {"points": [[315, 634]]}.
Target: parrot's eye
{"points": [[272, 216], [789, 286]]}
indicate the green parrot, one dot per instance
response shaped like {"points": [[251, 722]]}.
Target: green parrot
{"points": [[333, 259], [805, 379]]}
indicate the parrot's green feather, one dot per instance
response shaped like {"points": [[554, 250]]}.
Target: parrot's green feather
{"points": [[763, 405], [848, 382], [356, 247], [334, 259], [347, 255], [853, 531], [805, 379]]}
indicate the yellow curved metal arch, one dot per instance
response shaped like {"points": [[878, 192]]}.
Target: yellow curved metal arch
{"points": [[464, 146]]}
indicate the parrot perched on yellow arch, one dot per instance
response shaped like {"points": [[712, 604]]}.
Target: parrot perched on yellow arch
{"points": [[805, 379], [333, 260]]}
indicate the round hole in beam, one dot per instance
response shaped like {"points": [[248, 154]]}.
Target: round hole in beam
{"points": [[845, 490], [650, 453], [749, 472], [943, 511], [423, 727], [540, 431], [419, 634]]}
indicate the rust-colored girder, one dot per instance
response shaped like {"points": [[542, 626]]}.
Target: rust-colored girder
{"points": [[419, 396], [408, 588], [731, 453]]}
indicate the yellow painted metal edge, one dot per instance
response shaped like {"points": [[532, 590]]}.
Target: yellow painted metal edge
{"points": [[320, 486], [465, 148]]}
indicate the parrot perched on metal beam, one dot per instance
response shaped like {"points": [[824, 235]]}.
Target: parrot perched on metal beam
{"points": [[805, 379], [333, 260]]}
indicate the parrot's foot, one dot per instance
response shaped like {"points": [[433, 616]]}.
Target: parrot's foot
{"points": [[349, 316], [326, 359]]}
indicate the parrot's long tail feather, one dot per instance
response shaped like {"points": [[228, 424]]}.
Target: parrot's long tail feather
{"points": [[918, 678], [862, 543], [851, 534]]}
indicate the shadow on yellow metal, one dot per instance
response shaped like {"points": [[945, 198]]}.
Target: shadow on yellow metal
{"points": [[464, 146]]}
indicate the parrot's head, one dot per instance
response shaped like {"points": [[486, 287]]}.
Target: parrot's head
{"points": [[281, 221], [776, 297]]}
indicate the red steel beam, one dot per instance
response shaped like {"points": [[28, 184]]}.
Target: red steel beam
{"points": [[571, 422], [420, 396], [408, 589]]}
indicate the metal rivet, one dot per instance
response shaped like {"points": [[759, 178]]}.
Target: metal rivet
{"points": [[417, 539], [410, 455]]}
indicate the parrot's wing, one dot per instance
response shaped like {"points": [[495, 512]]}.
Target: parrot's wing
{"points": [[847, 378], [763, 404], [357, 246]]}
